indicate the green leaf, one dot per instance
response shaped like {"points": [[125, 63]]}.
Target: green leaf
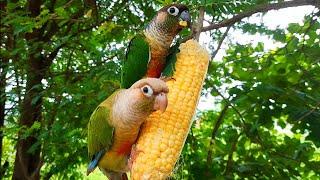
{"points": [[35, 100], [61, 12]]}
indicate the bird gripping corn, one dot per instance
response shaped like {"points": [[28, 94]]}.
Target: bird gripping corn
{"points": [[163, 135]]}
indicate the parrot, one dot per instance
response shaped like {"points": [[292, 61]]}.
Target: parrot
{"points": [[147, 51], [114, 125]]}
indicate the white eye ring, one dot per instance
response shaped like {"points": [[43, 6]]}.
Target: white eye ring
{"points": [[147, 91], [173, 10]]}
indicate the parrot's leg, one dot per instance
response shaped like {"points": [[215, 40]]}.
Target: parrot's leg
{"points": [[165, 78], [133, 155], [116, 175]]}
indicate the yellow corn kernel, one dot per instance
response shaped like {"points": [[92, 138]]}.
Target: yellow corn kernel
{"points": [[160, 149]]}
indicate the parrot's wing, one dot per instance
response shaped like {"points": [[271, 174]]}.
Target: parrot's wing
{"points": [[100, 135], [171, 61], [136, 62]]}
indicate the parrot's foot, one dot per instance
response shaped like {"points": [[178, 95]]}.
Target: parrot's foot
{"points": [[133, 155], [116, 175], [165, 78]]}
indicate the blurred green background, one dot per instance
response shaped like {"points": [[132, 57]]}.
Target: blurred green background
{"points": [[258, 118]]}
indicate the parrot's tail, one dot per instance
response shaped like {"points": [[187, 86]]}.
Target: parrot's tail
{"points": [[92, 165], [94, 161]]}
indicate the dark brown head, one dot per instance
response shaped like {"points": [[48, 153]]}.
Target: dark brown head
{"points": [[171, 19]]}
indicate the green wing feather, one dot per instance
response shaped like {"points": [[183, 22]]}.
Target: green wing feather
{"points": [[171, 61], [136, 62], [100, 132]]}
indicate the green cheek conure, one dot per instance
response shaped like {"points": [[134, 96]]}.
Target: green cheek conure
{"points": [[147, 51], [114, 125]]}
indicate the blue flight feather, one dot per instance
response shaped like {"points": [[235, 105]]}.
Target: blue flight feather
{"points": [[94, 162]]}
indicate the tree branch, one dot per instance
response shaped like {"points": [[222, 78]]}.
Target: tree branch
{"points": [[308, 113], [214, 132], [232, 106], [230, 154], [197, 29], [221, 41], [260, 8]]}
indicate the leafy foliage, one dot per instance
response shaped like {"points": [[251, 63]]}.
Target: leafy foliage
{"points": [[264, 124], [270, 128]]}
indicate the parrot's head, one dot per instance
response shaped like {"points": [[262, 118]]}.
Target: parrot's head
{"points": [[150, 95], [171, 19]]}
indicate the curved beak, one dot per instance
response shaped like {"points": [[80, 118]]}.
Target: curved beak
{"points": [[185, 19], [161, 102]]}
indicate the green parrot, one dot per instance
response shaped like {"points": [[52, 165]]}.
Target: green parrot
{"points": [[147, 51], [114, 125]]}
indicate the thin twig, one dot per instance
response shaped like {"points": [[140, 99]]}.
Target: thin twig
{"points": [[221, 41], [214, 132], [308, 113], [232, 106], [257, 9]]}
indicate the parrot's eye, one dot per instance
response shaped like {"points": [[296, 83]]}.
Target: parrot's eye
{"points": [[173, 11], [146, 90]]}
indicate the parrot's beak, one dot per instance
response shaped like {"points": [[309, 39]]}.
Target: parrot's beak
{"points": [[161, 102], [185, 19]]}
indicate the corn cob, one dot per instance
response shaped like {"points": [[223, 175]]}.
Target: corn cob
{"points": [[163, 135]]}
